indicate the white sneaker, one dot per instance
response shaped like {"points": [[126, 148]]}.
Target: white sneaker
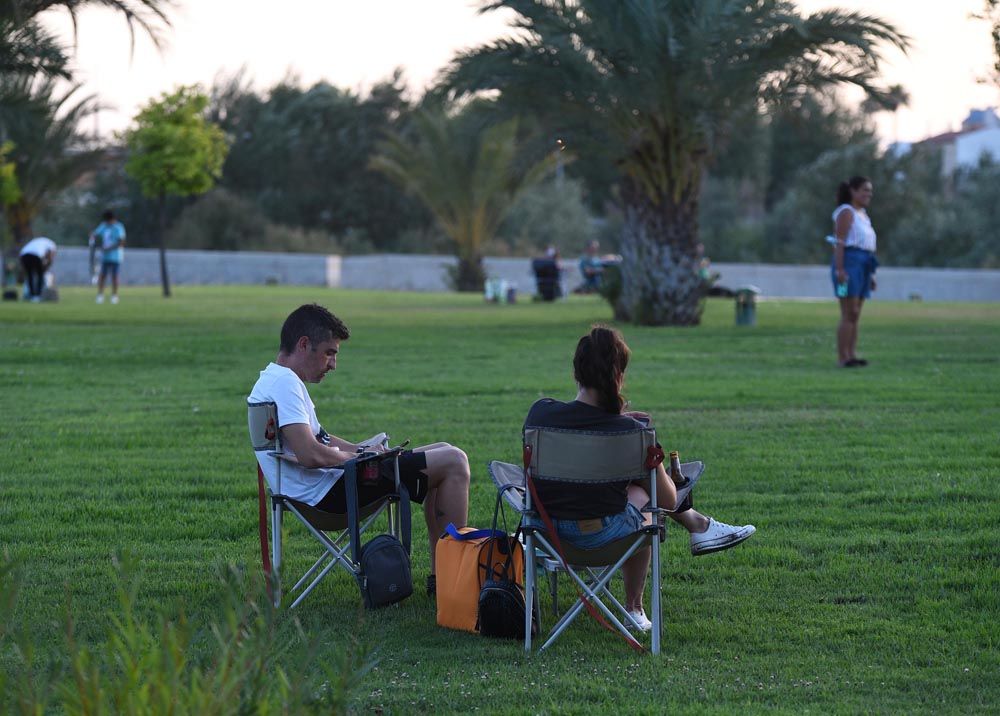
{"points": [[641, 620], [719, 536], [100, 298], [114, 298]]}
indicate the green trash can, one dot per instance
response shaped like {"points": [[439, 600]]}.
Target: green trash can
{"points": [[746, 305], [9, 280]]}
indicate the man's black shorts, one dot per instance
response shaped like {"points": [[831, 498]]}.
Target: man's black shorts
{"points": [[411, 465]]}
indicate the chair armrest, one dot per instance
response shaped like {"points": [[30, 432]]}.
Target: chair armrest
{"points": [[286, 456]]}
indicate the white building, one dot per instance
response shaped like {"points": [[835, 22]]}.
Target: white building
{"points": [[979, 136]]}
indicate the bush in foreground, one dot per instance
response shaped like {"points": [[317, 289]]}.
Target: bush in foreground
{"points": [[247, 659]]}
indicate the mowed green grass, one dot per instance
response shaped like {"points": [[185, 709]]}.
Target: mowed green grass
{"points": [[872, 585]]}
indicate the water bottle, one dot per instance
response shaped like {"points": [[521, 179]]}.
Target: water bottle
{"points": [[842, 290]]}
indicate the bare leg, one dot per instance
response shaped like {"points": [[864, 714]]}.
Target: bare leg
{"points": [[114, 284], [448, 475], [847, 331], [691, 520], [666, 491], [430, 517], [635, 568], [100, 282], [857, 323]]}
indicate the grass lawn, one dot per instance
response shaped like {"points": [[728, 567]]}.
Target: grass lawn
{"points": [[872, 585]]}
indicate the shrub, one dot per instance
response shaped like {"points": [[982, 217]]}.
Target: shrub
{"points": [[247, 659]]}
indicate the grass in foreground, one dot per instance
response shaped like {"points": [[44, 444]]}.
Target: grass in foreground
{"points": [[872, 584]]}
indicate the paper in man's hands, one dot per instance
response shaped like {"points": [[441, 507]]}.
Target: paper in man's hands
{"points": [[375, 440]]}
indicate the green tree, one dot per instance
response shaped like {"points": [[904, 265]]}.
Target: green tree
{"points": [[659, 86], [9, 189], [991, 14], [50, 151], [467, 176], [302, 155], [174, 150]]}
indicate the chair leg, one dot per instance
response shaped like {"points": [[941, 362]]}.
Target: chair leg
{"points": [[309, 571], [554, 589], [276, 553], [656, 603], [529, 586], [595, 579], [591, 593]]}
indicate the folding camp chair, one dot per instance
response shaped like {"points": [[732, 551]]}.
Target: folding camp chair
{"points": [[343, 547], [581, 457]]}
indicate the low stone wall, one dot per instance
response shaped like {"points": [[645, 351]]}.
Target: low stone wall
{"points": [[141, 267], [409, 272]]}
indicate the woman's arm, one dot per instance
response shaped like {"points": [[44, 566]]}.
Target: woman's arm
{"points": [[845, 220]]}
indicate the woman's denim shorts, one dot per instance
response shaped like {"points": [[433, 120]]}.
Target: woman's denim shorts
{"points": [[612, 527], [860, 265]]}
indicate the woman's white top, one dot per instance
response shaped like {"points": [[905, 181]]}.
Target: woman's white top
{"points": [[861, 234]]}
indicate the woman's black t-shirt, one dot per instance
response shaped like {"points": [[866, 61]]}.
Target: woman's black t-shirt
{"points": [[566, 501]]}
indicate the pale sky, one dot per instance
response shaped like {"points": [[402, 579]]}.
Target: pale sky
{"points": [[353, 44]]}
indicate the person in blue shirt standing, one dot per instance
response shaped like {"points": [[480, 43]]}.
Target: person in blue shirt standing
{"points": [[109, 236]]}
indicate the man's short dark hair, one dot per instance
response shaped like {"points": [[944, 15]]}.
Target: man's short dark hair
{"points": [[315, 323], [108, 215]]}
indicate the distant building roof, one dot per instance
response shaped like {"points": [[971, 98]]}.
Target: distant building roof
{"points": [[980, 119]]}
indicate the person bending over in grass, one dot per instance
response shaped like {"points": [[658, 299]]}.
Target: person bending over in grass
{"points": [[436, 475], [599, 368]]}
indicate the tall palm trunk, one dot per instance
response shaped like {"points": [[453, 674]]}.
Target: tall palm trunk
{"points": [[468, 274], [660, 280], [19, 216], [161, 230]]}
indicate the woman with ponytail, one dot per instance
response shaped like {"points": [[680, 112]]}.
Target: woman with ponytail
{"points": [[592, 516], [854, 264]]}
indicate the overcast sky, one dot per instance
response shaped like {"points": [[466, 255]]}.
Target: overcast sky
{"points": [[354, 44]]}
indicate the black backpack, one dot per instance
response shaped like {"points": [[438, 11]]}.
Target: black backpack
{"points": [[501, 598], [384, 561], [385, 571]]}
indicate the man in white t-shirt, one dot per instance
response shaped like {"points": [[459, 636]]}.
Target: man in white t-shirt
{"points": [[436, 475], [36, 258]]}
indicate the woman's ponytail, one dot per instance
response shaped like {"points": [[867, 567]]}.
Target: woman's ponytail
{"points": [[600, 362]]}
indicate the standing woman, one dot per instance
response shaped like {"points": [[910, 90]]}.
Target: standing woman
{"points": [[854, 264]]}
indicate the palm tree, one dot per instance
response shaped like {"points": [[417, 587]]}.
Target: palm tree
{"points": [[49, 152], [467, 176], [658, 85], [26, 47]]}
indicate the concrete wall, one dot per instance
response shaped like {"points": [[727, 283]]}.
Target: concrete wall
{"points": [[406, 272], [141, 267]]}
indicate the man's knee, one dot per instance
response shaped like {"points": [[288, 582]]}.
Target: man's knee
{"points": [[459, 462], [452, 465]]}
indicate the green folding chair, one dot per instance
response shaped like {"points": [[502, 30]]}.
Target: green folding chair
{"points": [[338, 534], [575, 457]]}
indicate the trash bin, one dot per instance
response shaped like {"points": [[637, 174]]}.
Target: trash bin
{"points": [[746, 305], [9, 280]]}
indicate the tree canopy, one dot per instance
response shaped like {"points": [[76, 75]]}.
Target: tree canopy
{"points": [[468, 175], [657, 86], [173, 148]]}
